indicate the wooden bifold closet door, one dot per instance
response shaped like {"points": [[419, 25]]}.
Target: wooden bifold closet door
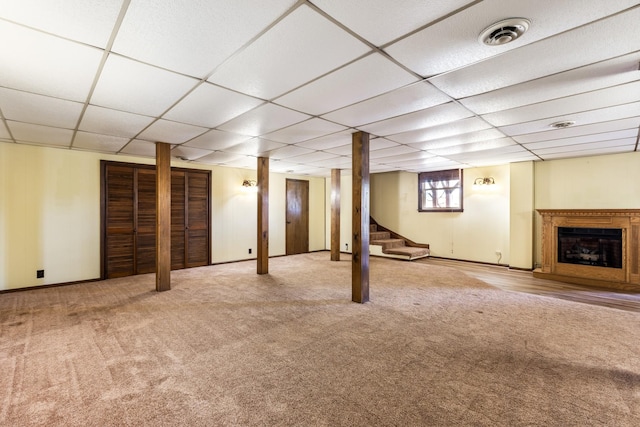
{"points": [[129, 219]]}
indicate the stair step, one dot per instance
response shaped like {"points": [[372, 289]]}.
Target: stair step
{"points": [[373, 228], [379, 235], [412, 252], [388, 243]]}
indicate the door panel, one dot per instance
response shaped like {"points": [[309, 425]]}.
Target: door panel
{"points": [[197, 240], [297, 216], [178, 220], [119, 222], [145, 230]]}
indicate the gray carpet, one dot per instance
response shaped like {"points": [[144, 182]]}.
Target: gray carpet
{"points": [[227, 347]]}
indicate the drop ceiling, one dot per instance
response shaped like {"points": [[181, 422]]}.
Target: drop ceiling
{"points": [[224, 82]]}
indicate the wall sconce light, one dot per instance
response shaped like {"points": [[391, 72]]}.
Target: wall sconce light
{"points": [[484, 181], [249, 183]]}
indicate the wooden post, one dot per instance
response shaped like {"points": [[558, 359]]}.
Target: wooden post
{"points": [[360, 220], [263, 215], [163, 217], [335, 214]]}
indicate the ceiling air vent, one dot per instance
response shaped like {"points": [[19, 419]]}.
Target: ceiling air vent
{"points": [[563, 124], [504, 32]]}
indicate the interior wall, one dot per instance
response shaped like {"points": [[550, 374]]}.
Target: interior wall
{"points": [[599, 182], [345, 211], [521, 222], [50, 214], [477, 234]]}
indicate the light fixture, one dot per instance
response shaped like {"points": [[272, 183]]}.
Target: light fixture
{"points": [[484, 181], [249, 183], [504, 32]]}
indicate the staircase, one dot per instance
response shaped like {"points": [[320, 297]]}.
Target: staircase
{"points": [[381, 243]]}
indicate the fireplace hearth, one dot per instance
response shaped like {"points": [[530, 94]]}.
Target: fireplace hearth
{"points": [[592, 247]]}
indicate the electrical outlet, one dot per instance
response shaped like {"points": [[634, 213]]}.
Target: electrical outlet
{"points": [[39, 274], [498, 252], [346, 246], [250, 250]]}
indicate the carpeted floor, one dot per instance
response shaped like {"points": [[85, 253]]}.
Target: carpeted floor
{"points": [[226, 347]]}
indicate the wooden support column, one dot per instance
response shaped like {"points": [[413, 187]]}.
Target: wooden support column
{"points": [[163, 217], [335, 214], [263, 215], [360, 220]]}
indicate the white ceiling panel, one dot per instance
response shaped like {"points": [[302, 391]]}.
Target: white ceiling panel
{"points": [[592, 77], [511, 151], [596, 137], [255, 147], [288, 151], [43, 135], [314, 46], [306, 130], [341, 150], [472, 147], [433, 116], [138, 88], [459, 127], [592, 152], [602, 98], [44, 64], [576, 131], [342, 162], [188, 153], [209, 106], [140, 148], [465, 138], [113, 122], [192, 37], [86, 21], [4, 132], [285, 167], [587, 117], [579, 47], [171, 132], [264, 119], [381, 21], [96, 142], [605, 144], [360, 80], [217, 140], [393, 151], [39, 109], [219, 157], [418, 156], [316, 156], [329, 141], [401, 101], [244, 162]]}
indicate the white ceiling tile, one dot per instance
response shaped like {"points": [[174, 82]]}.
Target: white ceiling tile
{"points": [[188, 153], [341, 150], [209, 106], [192, 37], [597, 137], [382, 21], [465, 138], [288, 151], [602, 98], [502, 159], [417, 156], [510, 151], [314, 46], [44, 64], [97, 142], [4, 132], [474, 146], [591, 152], [592, 77], [113, 122], [312, 128], [39, 109], [138, 88], [452, 43], [550, 133], [44, 135], [87, 21], [393, 151], [255, 147], [329, 141], [326, 172], [459, 127], [244, 162], [408, 99], [579, 47], [435, 162], [219, 157], [217, 140], [341, 162], [285, 167], [381, 143], [264, 119], [315, 156], [604, 144], [588, 117], [171, 132], [140, 148], [433, 116], [360, 80]]}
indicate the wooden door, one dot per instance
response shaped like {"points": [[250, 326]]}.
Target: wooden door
{"points": [[297, 216], [145, 221], [118, 218], [178, 220], [197, 213]]}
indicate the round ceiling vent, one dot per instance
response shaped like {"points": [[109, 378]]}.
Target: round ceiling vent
{"points": [[563, 124], [504, 32]]}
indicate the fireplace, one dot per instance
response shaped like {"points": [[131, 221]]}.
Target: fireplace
{"points": [[592, 247]]}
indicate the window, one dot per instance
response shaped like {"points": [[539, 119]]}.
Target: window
{"points": [[440, 191]]}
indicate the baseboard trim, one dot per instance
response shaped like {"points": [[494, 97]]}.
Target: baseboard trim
{"points": [[50, 285]]}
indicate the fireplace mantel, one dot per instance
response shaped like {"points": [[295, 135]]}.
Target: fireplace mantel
{"points": [[626, 277]]}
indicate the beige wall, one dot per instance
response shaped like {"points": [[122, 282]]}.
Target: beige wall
{"points": [[345, 211], [475, 234], [597, 182], [521, 206], [50, 214]]}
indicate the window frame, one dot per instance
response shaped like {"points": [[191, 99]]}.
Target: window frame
{"points": [[440, 176]]}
